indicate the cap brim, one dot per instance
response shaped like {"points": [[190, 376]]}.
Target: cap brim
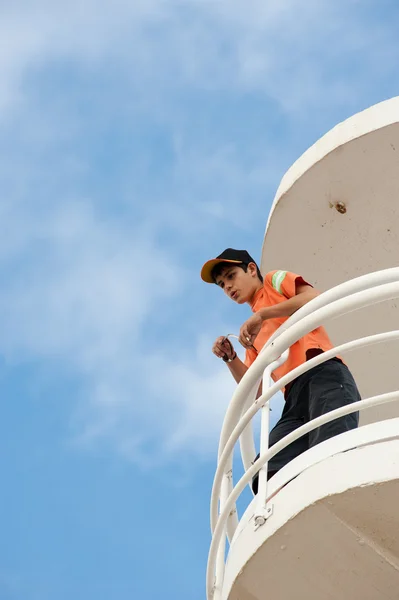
{"points": [[206, 271]]}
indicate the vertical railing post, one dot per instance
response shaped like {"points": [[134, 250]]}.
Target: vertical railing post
{"points": [[220, 561], [262, 511]]}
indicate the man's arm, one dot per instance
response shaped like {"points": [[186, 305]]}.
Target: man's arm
{"points": [[304, 294], [250, 329], [223, 348], [237, 368]]}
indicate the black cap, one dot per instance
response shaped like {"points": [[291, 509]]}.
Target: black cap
{"points": [[227, 256]]}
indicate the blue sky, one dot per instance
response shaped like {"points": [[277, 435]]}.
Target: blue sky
{"points": [[137, 140]]}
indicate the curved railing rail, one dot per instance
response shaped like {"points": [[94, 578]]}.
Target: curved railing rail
{"points": [[250, 383], [347, 297], [342, 290]]}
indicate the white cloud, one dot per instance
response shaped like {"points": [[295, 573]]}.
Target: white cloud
{"points": [[178, 410], [171, 405], [286, 50], [83, 287], [91, 289]]}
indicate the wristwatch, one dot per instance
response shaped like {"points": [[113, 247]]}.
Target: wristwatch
{"points": [[227, 359]]}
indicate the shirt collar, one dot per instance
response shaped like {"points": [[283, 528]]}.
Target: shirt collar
{"points": [[256, 297]]}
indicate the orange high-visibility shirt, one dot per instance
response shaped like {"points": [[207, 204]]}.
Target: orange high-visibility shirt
{"points": [[279, 286]]}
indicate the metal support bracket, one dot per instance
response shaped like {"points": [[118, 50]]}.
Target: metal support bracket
{"points": [[261, 518]]}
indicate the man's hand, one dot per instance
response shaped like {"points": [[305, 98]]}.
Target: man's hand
{"points": [[250, 330], [223, 348]]}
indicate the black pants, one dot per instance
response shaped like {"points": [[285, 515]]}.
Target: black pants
{"points": [[322, 389]]}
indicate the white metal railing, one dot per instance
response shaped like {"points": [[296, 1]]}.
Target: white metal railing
{"points": [[347, 297], [250, 382]]}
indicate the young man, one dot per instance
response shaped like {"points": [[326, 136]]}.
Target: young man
{"points": [[272, 300]]}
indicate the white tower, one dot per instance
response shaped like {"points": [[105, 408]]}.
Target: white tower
{"points": [[327, 525]]}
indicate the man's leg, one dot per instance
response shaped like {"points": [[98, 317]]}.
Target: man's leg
{"points": [[282, 428], [331, 387]]}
